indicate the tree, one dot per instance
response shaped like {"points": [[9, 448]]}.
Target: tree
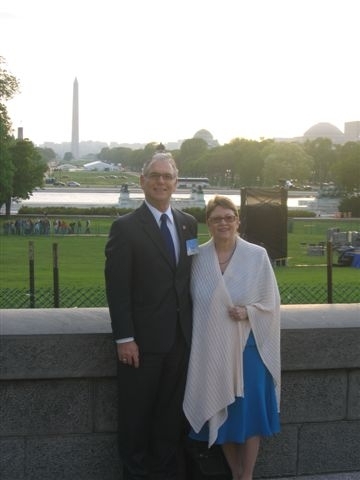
{"points": [[323, 153], [9, 85], [68, 156], [191, 151], [8, 88], [248, 162], [6, 166], [350, 204], [21, 167], [218, 163], [28, 170], [346, 169], [139, 157], [286, 161], [117, 155], [46, 154]]}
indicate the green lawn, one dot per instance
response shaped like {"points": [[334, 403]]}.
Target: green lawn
{"points": [[81, 258], [97, 179]]}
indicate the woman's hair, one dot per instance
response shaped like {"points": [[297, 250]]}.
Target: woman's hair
{"points": [[220, 201]]}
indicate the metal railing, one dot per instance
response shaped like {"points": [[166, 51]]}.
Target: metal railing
{"points": [[69, 297]]}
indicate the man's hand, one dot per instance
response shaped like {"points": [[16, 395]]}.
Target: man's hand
{"points": [[128, 353]]}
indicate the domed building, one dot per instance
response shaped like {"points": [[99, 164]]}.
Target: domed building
{"points": [[207, 137], [325, 130]]}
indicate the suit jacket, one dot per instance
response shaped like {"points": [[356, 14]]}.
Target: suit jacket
{"points": [[146, 295]]}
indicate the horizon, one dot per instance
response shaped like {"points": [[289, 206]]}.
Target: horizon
{"points": [[173, 145]]}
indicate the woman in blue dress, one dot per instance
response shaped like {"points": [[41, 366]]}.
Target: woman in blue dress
{"points": [[232, 393]]}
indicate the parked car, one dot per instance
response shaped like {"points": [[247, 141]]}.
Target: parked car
{"points": [[73, 184]]}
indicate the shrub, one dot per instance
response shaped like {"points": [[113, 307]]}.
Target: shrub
{"points": [[197, 212], [350, 204], [64, 211]]}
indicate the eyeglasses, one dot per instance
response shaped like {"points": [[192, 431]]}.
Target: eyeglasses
{"points": [[167, 177], [226, 218]]}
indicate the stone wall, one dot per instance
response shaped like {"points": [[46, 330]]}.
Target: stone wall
{"points": [[58, 394]]}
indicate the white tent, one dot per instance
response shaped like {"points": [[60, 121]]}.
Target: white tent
{"points": [[100, 166]]}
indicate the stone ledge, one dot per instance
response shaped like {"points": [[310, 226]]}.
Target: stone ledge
{"points": [[62, 321], [54, 321], [337, 315], [58, 343]]}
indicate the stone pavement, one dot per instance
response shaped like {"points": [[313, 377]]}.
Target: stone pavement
{"points": [[326, 476]]}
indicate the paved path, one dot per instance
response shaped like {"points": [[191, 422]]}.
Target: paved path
{"points": [[327, 476]]}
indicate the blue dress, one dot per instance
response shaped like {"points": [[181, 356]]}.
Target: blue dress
{"points": [[256, 413]]}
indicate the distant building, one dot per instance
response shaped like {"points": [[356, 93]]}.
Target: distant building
{"points": [[352, 131], [327, 130], [324, 130], [207, 137]]}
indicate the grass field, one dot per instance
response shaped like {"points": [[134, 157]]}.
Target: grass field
{"points": [[97, 179], [81, 257]]}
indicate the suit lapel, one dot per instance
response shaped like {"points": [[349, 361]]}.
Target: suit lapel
{"points": [[184, 232], [181, 229], [152, 231]]}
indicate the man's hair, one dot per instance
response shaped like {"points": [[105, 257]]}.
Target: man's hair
{"points": [[220, 201], [160, 156]]}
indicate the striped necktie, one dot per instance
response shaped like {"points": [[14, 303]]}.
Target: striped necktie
{"points": [[167, 237]]}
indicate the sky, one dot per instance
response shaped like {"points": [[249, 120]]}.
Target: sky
{"points": [[160, 70]]}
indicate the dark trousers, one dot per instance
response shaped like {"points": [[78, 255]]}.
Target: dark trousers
{"points": [[151, 420]]}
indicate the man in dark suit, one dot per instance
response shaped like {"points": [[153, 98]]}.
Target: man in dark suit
{"points": [[150, 308]]}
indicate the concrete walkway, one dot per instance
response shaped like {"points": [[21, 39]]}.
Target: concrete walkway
{"points": [[327, 476]]}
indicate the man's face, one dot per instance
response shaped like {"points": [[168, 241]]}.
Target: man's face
{"points": [[159, 183]]}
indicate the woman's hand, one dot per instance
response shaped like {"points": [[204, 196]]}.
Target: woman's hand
{"points": [[238, 313]]}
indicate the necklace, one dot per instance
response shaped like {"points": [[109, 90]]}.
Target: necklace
{"points": [[229, 258]]}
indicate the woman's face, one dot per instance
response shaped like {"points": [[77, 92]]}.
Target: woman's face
{"points": [[223, 224]]}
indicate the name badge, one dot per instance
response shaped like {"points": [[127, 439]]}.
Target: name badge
{"points": [[192, 246]]}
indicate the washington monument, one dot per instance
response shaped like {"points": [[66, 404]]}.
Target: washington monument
{"points": [[75, 122]]}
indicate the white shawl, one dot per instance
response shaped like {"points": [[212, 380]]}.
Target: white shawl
{"points": [[215, 374]]}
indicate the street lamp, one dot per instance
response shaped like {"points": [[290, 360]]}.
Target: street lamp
{"points": [[228, 176]]}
